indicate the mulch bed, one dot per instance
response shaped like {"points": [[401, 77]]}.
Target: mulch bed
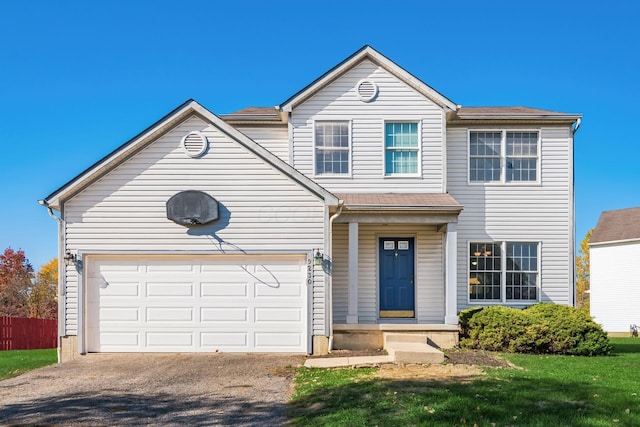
{"points": [[458, 356]]}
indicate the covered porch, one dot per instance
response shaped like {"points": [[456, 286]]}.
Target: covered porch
{"points": [[394, 269]]}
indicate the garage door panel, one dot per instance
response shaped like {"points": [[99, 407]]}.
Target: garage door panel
{"points": [[171, 267], [118, 266], [170, 340], [226, 289], [180, 303], [119, 340], [238, 341], [265, 314], [282, 290], [224, 314], [173, 314], [119, 314], [269, 341], [155, 289]]}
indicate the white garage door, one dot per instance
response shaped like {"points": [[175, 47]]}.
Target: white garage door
{"points": [[196, 304]]}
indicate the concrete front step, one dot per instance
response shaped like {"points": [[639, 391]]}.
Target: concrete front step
{"points": [[412, 352], [401, 348], [391, 338]]}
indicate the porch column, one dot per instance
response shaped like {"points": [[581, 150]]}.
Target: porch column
{"points": [[352, 294], [451, 292]]}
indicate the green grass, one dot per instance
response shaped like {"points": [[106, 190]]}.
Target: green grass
{"points": [[541, 391], [17, 362]]}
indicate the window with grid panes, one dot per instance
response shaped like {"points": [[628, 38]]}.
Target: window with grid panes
{"points": [[485, 277], [522, 156], [332, 148], [484, 156], [503, 272], [401, 148], [503, 156], [522, 271]]}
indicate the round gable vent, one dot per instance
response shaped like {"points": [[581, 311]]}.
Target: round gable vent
{"points": [[194, 144], [367, 90]]}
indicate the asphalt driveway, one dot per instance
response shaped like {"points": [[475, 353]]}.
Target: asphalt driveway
{"points": [[153, 389]]}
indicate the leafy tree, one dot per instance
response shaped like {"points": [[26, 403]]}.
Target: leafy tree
{"points": [[43, 297], [15, 283], [582, 273]]}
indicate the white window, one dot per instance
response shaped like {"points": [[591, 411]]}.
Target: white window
{"points": [[506, 272], [401, 148], [503, 156], [332, 148]]}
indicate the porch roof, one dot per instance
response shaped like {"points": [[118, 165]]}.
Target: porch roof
{"points": [[400, 201]]}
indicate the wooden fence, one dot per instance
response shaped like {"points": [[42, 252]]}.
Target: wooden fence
{"points": [[28, 334]]}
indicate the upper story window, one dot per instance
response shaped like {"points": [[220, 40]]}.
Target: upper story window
{"points": [[332, 148], [503, 156], [503, 272], [401, 148]]}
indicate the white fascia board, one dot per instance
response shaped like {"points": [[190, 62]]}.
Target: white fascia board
{"points": [[615, 242]]}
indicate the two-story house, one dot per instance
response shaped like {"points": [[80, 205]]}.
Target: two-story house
{"points": [[367, 202]]}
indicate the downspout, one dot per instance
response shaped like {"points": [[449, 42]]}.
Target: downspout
{"points": [[574, 129], [330, 256], [61, 272]]}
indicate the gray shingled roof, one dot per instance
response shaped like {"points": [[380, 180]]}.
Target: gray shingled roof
{"points": [[614, 226], [400, 200]]}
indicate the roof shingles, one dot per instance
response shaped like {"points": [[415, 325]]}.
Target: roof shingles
{"points": [[400, 200], [618, 225]]}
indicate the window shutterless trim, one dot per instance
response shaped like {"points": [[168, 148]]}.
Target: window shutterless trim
{"points": [[418, 174], [348, 149], [503, 273], [503, 157]]}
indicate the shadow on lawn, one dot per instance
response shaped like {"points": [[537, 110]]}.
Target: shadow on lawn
{"points": [[515, 401], [631, 345], [133, 409]]}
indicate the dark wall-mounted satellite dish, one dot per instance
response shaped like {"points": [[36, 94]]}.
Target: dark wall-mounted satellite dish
{"points": [[192, 207]]}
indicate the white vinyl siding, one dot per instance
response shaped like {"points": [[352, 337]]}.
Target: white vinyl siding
{"points": [[396, 102], [429, 273], [273, 138], [261, 209], [615, 280], [519, 212]]}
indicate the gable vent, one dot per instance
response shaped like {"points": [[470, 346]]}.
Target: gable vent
{"points": [[194, 144], [367, 90]]}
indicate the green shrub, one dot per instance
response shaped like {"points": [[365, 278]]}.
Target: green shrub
{"points": [[540, 328]]}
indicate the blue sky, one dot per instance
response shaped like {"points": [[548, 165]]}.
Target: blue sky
{"points": [[78, 79]]}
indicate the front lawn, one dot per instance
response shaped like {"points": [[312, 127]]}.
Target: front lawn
{"points": [[17, 362], [538, 391]]}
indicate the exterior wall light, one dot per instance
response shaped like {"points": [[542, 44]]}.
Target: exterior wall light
{"points": [[69, 258], [318, 258]]}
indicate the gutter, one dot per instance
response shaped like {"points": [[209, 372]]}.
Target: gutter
{"points": [[62, 315]]}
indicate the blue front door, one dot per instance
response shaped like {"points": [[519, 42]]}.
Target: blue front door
{"points": [[397, 290]]}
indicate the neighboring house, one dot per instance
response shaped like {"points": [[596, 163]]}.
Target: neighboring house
{"points": [[366, 202], [615, 270]]}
